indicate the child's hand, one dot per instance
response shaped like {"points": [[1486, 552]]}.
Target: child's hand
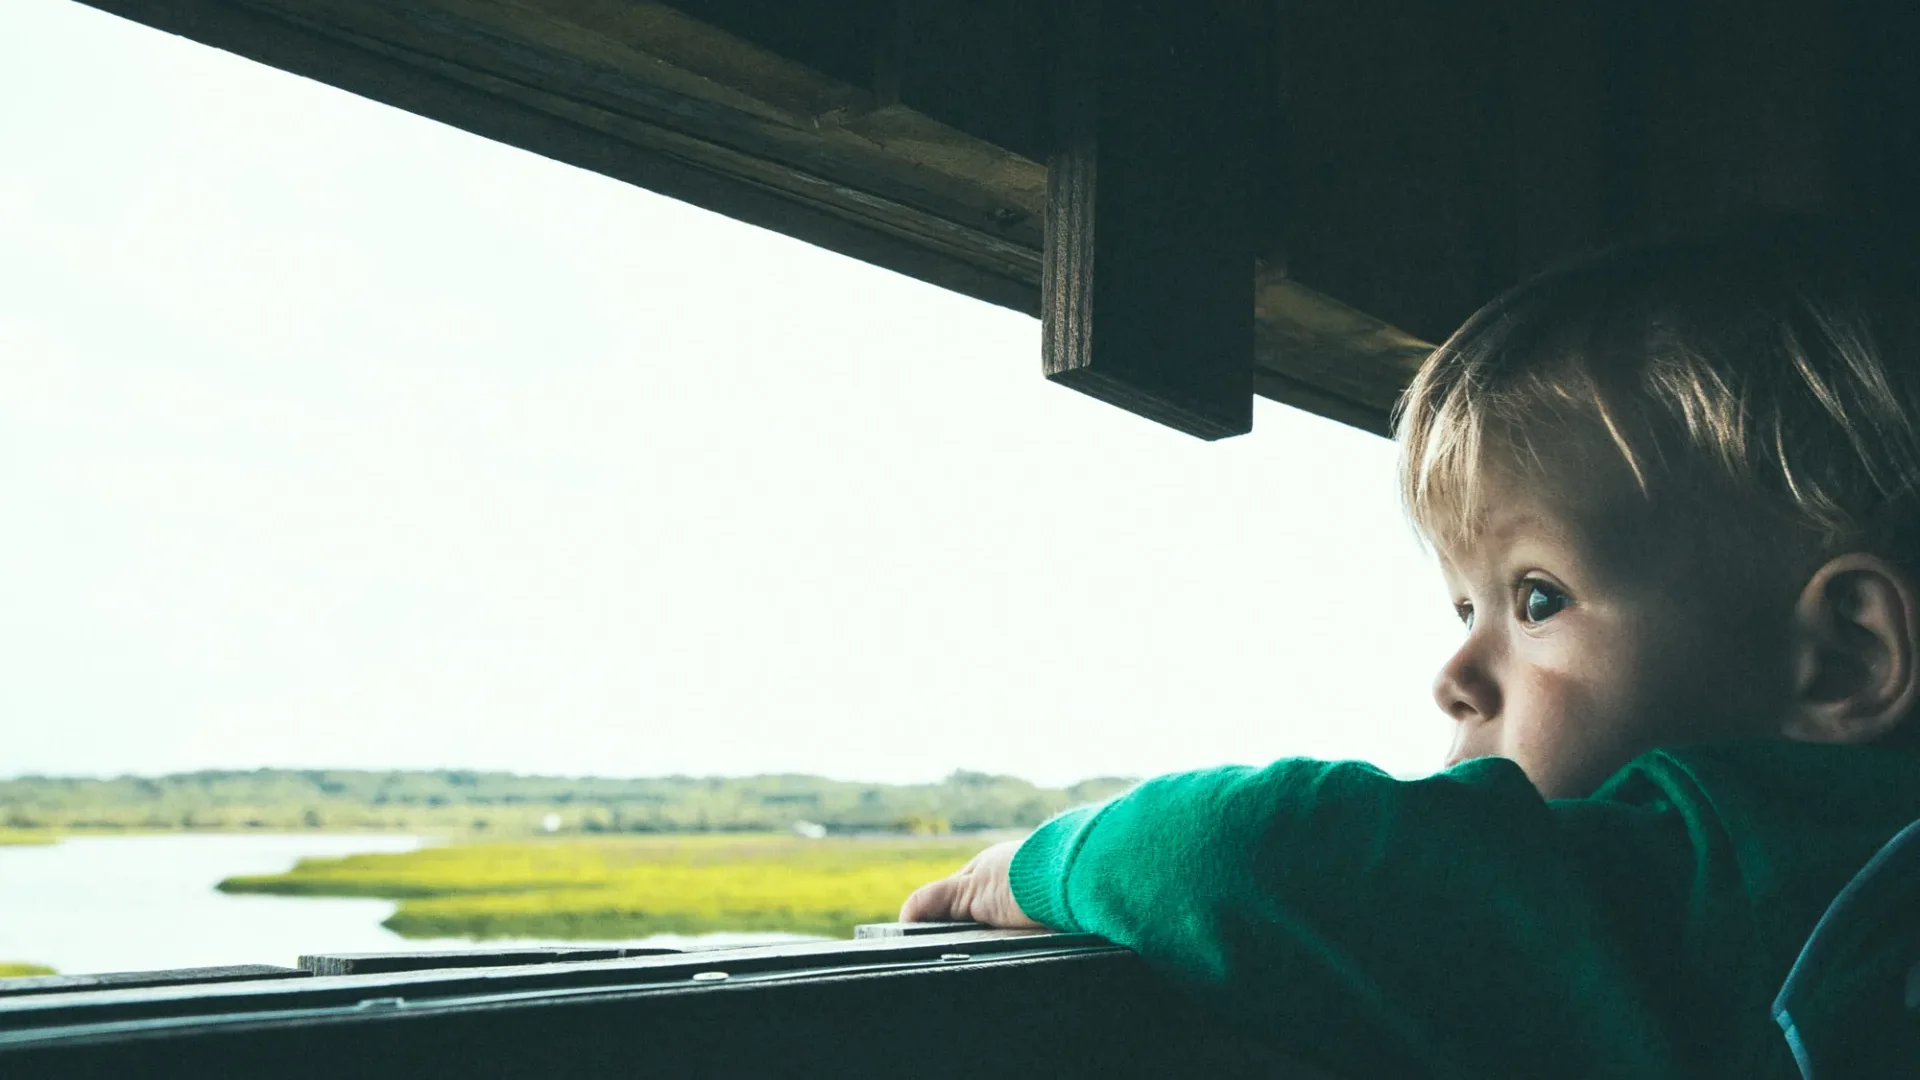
{"points": [[977, 892]]}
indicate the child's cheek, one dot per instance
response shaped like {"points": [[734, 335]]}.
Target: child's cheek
{"points": [[1571, 722]]}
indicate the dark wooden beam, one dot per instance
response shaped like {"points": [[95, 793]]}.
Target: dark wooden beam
{"points": [[1315, 353], [646, 94], [1395, 152], [1147, 290], [984, 67]]}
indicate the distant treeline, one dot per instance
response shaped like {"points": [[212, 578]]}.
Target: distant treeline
{"points": [[499, 802]]}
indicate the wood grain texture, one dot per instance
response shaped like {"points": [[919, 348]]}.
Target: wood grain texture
{"points": [[811, 158], [1146, 293], [981, 66], [649, 95], [1317, 354], [1414, 157]]}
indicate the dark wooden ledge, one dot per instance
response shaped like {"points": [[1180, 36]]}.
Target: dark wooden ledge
{"points": [[939, 1005]]}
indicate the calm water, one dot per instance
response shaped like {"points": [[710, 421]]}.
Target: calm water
{"points": [[131, 903]]}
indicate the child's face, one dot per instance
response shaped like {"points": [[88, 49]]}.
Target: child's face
{"points": [[1595, 635]]}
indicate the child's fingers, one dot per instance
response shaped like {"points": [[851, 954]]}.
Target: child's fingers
{"points": [[977, 892], [932, 902]]}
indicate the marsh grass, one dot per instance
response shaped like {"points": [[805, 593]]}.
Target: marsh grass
{"points": [[18, 837], [14, 971], [619, 887]]}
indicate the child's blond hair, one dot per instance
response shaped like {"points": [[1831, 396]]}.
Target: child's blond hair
{"points": [[1776, 361]]}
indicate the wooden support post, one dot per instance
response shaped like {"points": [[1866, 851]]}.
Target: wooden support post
{"points": [[1147, 276]]}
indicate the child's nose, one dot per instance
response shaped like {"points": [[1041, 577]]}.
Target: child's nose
{"points": [[1464, 690]]}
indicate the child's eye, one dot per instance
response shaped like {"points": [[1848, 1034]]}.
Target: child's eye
{"points": [[1465, 612], [1540, 601]]}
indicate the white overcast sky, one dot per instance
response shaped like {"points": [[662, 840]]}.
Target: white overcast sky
{"points": [[332, 436]]}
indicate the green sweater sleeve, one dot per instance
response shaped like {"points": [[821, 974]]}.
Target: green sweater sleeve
{"points": [[1457, 925]]}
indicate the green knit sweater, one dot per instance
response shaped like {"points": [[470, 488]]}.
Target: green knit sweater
{"points": [[1461, 926]]}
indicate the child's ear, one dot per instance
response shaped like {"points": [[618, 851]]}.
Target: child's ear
{"points": [[1856, 635]]}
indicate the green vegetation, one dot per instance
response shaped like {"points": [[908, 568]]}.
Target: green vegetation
{"points": [[509, 805], [677, 854], [19, 837], [632, 886], [14, 971]]}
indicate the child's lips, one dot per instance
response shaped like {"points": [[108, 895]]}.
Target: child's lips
{"points": [[1471, 741]]}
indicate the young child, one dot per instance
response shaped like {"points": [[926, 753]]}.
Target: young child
{"points": [[1675, 491]]}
